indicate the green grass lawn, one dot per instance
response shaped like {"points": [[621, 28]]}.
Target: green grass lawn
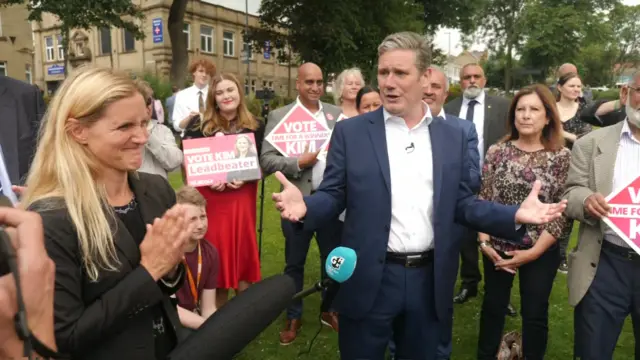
{"points": [[466, 316]]}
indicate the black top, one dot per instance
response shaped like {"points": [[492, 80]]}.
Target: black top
{"points": [[111, 317], [132, 219]]}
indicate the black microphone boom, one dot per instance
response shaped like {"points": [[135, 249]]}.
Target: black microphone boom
{"points": [[319, 286], [235, 325]]}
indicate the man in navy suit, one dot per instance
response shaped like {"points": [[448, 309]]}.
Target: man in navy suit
{"points": [[435, 95], [402, 177]]}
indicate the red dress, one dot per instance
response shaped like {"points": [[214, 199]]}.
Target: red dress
{"points": [[232, 230]]}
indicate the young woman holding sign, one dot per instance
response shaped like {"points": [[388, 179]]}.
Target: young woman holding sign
{"points": [[231, 205]]}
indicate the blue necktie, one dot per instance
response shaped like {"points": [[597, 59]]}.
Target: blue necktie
{"points": [[470, 108]]}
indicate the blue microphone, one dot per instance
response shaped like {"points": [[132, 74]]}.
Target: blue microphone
{"points": [[340, 265]]}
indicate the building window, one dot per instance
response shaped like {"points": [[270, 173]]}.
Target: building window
{"points": [[27, 73], [206, 39], [48, 43], [105, 41], [129, 43], [79, 48], [60, 48], [3, 68], [253, 86], [246, 49], [246, 86], [227, 38], [270, 85], [187, 35], [0, 25]]}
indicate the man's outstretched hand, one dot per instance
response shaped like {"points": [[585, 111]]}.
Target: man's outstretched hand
{"points": [[533, 211], [289, 201]]}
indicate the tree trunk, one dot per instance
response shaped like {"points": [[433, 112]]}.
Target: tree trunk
{"points": [[508, 68], [178, 46], [64, 34]]}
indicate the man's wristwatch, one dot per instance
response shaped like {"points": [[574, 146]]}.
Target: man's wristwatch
{"points": [[483, 244]]}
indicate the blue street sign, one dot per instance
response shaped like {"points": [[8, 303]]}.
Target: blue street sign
{"points": [[267, 50], [157, 31], [55, 70]]}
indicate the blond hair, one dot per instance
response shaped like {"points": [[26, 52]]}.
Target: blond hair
{"points": [[190, 195], [340, 80], [63, 168]]}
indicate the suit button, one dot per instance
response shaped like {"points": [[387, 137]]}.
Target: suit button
{"points": [[593, 265], [386, 228], [309, 180], [600, 242], [381, 260]]}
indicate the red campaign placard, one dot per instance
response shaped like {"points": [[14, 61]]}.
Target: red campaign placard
{"points": [[624, 215], [221, 159], [298, 129]]}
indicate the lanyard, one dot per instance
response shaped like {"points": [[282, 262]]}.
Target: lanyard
{"points": [[192, 285]]}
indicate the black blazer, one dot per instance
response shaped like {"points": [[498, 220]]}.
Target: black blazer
{"points": [[496, 111], [21, 110], [110, 318]]}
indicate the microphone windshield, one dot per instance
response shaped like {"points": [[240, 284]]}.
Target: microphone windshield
{"points": [[341, 263], [242, 319]]}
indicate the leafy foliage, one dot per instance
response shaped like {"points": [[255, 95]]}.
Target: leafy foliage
{"points": [[83, 14], [335, 34]]}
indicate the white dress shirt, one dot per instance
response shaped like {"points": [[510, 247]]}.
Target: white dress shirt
{"points": [[478, 120], [187, 102], [411, 170], [627, 169]]}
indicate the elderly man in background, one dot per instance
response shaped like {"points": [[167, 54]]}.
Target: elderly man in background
{"points": [[489, 115], [602, 267]]}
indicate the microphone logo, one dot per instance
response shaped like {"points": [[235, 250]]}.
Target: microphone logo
{"points": [[336, 262]]}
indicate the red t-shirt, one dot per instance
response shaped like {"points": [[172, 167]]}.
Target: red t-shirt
{"points": [[208, 277]]}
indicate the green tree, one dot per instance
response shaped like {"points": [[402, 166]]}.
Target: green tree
{"points": [[501, 28], [335, 34], [85, 14], [625, 24]]}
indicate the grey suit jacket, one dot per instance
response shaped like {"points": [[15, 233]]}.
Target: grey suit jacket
{"points": [[496, 110], [21, 110], [271, 160], [593, 159]]}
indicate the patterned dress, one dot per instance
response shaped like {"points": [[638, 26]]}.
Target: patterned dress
{"points": [[508, 175]]}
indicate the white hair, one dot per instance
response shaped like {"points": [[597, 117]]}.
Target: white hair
{"points": [[338, 86], [407, 40], [446, 79]]}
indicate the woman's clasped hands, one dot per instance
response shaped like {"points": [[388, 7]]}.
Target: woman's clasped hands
{"points": [[163, 246]]}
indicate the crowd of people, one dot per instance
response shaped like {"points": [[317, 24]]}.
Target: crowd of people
{"points": [[127, 267]]}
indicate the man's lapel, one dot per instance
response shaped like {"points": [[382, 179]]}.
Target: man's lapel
{"points": [[604, 163], [439, 136], [9, 134], [377, 133], [489, 113], [329, 116]]}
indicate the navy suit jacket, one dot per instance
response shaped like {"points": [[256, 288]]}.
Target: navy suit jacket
{"points": [[475, 172], [357, 178]]}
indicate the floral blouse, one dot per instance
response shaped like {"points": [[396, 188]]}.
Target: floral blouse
{"points": [[508, 175]]}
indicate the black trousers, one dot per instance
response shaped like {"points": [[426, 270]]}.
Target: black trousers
{"points": [[536, 282], [613, 295], [469, 267]]}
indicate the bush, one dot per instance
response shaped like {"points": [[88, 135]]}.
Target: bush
{"points": [[254, 105], [455, 91], [327, 99], [612, 94], [161, 86]]}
